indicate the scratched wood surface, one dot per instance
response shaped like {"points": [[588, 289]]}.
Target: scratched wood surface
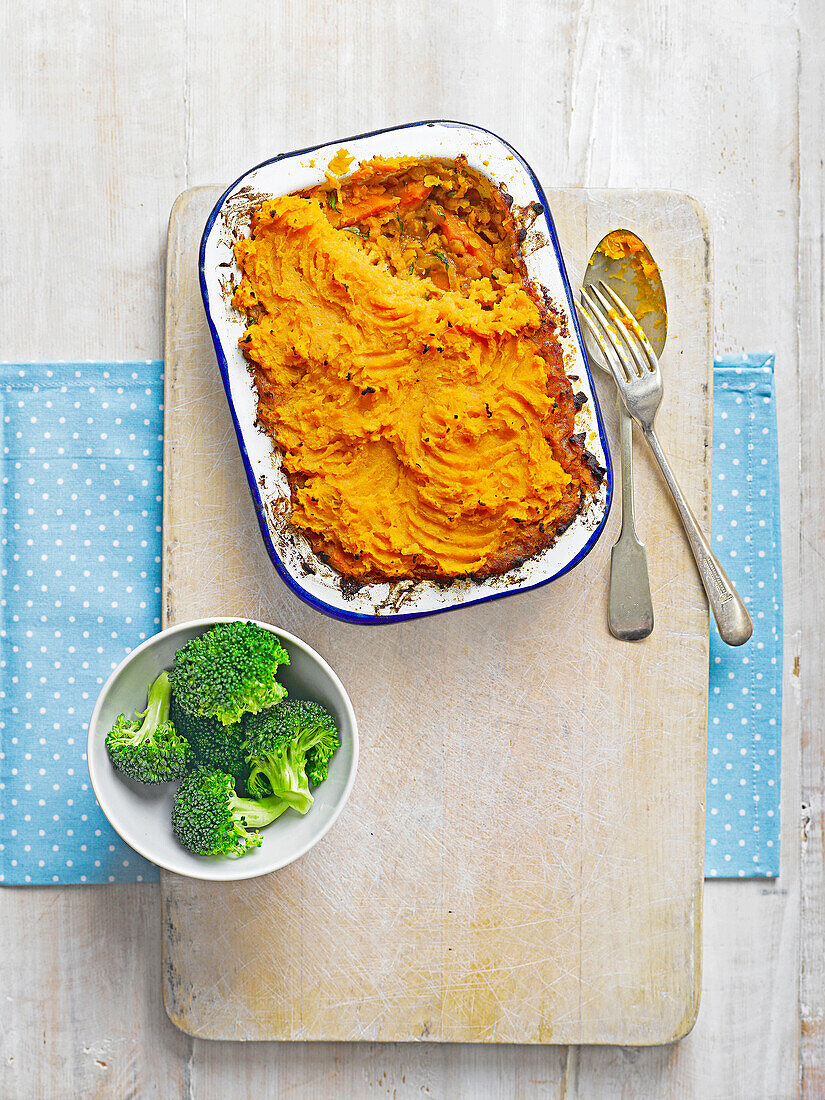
{"points": [[521, 858], [109, 111]]}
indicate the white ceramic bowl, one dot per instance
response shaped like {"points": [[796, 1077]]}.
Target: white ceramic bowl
{"points": [[142, 814], [301, 569]]}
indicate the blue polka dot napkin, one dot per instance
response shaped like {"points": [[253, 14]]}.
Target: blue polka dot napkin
{"points": [[79, 587], [745, 697]]}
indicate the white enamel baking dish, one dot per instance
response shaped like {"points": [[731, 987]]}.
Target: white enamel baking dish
{"points": [[309, 577]]}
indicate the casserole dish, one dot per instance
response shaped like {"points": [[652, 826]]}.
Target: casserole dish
{"points": [[304, 571]]}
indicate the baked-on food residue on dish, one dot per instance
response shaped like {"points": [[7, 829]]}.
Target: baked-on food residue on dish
{"points": [[410, 376]]}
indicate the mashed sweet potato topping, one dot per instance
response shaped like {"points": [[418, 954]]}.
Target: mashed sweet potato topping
{"points": [[410, 377]]}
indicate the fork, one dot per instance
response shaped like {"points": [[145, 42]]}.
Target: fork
{"points": [[638, 378]]}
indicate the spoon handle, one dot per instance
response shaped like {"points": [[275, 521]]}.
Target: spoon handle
{"points": [[630, 607], [732, 618]]}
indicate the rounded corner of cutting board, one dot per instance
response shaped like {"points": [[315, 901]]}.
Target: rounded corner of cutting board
{"points": [[688, 1022], [180, 1012], [178, 1018], [675, 1030], [176, 1010]]}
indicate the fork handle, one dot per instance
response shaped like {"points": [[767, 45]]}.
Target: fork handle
{"points": [[732, 618]]}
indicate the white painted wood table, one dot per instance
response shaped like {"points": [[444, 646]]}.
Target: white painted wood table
{"points": [[109, 111]]}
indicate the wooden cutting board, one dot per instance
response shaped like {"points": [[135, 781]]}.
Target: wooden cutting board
{"points": [[521, 857]]}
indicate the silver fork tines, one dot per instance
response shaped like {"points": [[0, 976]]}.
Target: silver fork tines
{"points": [[638, 331], [613, 327], [638, 377], [613, 352], [637, 374]]}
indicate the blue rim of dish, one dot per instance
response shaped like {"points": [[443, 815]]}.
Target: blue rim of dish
{"points": [[260, 510]]}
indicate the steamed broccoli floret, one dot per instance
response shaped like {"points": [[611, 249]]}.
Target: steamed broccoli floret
{"points": [[147, 747], [229, 671], [210, 819], [213, 743], [287, 746], [318, 760]]}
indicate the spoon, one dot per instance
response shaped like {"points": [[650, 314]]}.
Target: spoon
{"points": [[623, 261]]}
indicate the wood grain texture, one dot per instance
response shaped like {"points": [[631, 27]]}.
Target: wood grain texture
{"points": [[808, 684], [521, 858], [108, 113]]}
